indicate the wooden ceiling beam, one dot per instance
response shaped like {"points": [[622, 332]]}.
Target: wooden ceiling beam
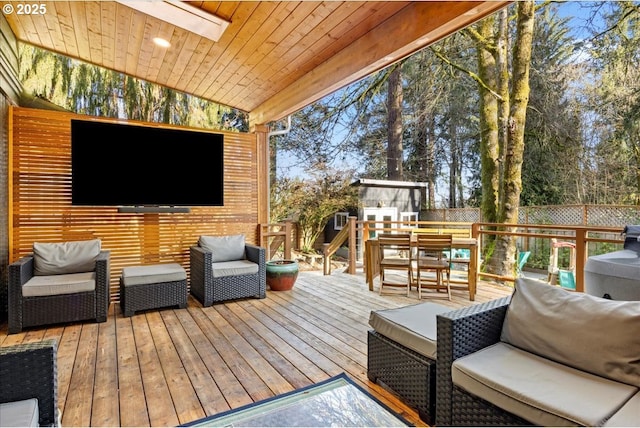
{"points": [[414, 27]]}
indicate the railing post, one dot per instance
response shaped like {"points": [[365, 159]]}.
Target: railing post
{"points": [[352, 245], [287, 239], [581, 257], [326, 266]]}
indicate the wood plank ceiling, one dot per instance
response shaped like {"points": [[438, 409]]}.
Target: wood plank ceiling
{"points": [[274, 58]]}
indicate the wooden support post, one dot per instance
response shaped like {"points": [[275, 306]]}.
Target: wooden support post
{"points": [[581, 258], [326, 266], [287, 239], [352, 245]]}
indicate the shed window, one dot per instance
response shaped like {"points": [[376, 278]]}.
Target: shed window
{"points": [[340, 220], [409, 219]]}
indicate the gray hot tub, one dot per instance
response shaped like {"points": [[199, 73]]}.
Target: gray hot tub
{"points": [[614, 274]]}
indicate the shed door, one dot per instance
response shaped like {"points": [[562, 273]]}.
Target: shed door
{"points": [[382, 217]]}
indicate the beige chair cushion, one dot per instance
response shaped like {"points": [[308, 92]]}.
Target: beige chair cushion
{"points": [[234, 268], [589, 333], [65, 257], [23, 413], [539, 390], [628, 415], [152, 274], [412, 326], [52, 285], [224, 248]]}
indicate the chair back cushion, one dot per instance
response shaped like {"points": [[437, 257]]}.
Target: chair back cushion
{"points": [[224, 248], [588, 333], [65, 257]]}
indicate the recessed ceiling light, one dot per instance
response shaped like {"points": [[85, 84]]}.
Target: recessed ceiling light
{"points": [[182, 15], [163, 43]]}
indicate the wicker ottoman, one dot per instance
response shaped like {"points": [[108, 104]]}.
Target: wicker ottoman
{"points": [[402, 354], [152, 287]]}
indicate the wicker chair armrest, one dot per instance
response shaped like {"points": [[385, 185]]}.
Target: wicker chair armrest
{"points": [[462, 332], [255, 254], [200, 253], [103, 274], [259, 255], [30, 371], [21, 270]]}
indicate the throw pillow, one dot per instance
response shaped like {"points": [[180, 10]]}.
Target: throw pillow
{"points": [[588, 333], [65, 257], [224, 248]]}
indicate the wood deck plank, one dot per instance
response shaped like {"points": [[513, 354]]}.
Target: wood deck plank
{"points": [[260, 325], [79, 399], [183, 395], [190, 346], [132, 413], [235, 394], [172, 366], [156, 389], [232, 328], [275, 370], [106, 408]]}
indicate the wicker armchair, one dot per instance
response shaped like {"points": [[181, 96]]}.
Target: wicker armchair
{"points": [[213, 282], [29, 371], [463, 332], [56, 308]]}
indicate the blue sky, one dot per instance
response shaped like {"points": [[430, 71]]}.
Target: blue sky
{"points": [[579, 12]]}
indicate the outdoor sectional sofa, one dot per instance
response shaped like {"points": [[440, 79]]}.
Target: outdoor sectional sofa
{"points": [[544, 356]]}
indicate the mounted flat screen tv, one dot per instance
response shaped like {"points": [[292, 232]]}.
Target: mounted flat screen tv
{"points": [[114, 164]]}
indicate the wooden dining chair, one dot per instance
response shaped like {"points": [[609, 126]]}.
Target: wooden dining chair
{"points": [[430, 256], [395, 255]]}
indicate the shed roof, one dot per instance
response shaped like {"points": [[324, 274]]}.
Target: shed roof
{"points": [[369, 182]]}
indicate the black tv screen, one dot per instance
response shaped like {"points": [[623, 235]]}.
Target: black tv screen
{"points": [[130, 165]]}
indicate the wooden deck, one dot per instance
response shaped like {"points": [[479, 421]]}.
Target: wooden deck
{"points": [[169, 367]]}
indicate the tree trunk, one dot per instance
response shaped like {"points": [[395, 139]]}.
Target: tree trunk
{"points": [[431, 161], [394, 126], [514, 148], [489, 142]]}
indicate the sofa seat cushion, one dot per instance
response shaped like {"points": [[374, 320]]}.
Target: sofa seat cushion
{"points": [[628, 415], [23, 413], [234, 268], [65, 257], [51, 285], [539, 390], [412, 326], [152, 274], [588, 333]]}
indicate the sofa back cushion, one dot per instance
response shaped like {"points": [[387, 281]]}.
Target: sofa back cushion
{"points": [[65, 257], [588, 333], [224, 248]]}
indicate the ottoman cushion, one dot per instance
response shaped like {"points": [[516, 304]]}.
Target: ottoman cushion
{"points": [[151, 274], [413, 326]]}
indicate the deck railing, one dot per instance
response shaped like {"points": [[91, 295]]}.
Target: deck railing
{"points": [[581, 236], [276, 237]]}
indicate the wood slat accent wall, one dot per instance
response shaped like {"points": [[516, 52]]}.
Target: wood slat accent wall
{"points": [[40, 199]]}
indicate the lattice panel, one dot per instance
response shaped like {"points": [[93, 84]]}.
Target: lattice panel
{"points": [[612, 215], [554, 214], [41, 207]]}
